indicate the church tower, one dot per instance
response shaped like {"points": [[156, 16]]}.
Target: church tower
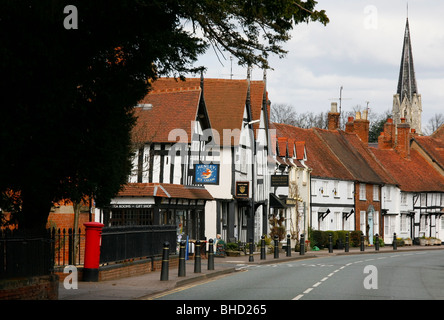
{"points": [[407, 102]]}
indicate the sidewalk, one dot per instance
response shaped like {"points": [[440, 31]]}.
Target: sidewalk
{"points": [[141, 287]]}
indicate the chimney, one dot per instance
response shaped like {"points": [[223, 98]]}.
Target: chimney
{"points": [[349, 126], [402, 145], [333, 117], [362, 126], [387, 138]]}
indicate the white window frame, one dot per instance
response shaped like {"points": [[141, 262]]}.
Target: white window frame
{"points": [[362, 191], [375, 192]]}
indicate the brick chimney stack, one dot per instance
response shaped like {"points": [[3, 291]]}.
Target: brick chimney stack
{"points": [[362, 126], [402, 145], [349, 126], [387, 138], [333, 117]]}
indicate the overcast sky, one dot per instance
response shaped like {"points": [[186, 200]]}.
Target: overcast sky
{"points": [[360, 49]]}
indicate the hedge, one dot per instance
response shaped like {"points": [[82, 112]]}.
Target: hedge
{"points": [[320, 238]]}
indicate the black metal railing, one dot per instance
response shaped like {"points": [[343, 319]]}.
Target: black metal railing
{"points": [[69, 247], [24, 255], [129, 242]]}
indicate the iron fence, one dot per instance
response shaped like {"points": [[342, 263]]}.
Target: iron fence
{"points": [[27, 255], [69, 247], [129, 242], [23, 254]]}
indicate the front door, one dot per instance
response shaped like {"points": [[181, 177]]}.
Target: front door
{"points": [[370, 226]]}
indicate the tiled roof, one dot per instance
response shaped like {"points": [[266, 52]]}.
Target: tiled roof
{"points": [[170, 107], [433, 147], [164, 190], [413, 174], [225, 101], [354, 155], [335, 154], [319, 157]]}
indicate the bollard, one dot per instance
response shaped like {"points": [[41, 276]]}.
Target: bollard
{"points": [[395, 245], [330, 243], [276, 247], [302, 245], [165, 261], [197, 257], [182, 270], [362, 241], [347, 242], [210, 255], [288, 246], [251, 258], [263, 255], [376, 242]]}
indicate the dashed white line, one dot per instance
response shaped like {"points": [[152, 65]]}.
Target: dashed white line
{"points": [[308, 290]]}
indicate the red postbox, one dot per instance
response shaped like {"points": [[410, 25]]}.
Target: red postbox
{"points": [[93, 241]]}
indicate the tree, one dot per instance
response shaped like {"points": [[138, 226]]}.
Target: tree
{"points": [[68, 94], [434, 123]]}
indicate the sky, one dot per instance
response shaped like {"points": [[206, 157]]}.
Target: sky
{"points": [[359, 50]]}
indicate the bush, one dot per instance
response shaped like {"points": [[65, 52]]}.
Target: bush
{"points": [[233, 246], [320, 239]]}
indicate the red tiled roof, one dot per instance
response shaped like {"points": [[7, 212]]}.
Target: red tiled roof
{"points": [[225, 101], [173, 107], [433, 147], [355, 156], [413, 174], [164, 190], [319, 157]]}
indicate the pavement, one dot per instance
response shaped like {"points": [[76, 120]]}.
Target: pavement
{"points": [[147, 286]]}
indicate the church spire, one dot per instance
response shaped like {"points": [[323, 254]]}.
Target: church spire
{"points": [[407, 104], [407, 80]]}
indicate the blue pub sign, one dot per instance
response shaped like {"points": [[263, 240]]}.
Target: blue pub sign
{"points": [[206, 173]]}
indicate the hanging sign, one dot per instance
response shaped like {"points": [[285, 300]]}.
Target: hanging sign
{"points": [[206, 173], [242, 189]]}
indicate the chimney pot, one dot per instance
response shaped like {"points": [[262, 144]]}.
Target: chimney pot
{"points": [[334, 107]]}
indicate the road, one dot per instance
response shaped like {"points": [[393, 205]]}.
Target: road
{"points": [[379, 276]]}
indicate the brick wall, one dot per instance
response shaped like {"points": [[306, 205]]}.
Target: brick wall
{"points": [[32, 288], [363, 205]]}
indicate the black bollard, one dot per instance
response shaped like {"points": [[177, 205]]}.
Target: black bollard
{"points": [[197, 257], [165, 261], [288, 246], [251, 257], [362, 241], [347, 242], [395, 245], [210, 255], [302, 245], [377, 242], [263, 255], [182, 270], [276, 247], [330, 243]]}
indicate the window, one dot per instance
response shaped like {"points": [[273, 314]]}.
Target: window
{"points": [[375, 192], [350, 190], [388, 194], [336, 189], [403, 198], [362, 195], [362, 222], [403, 223]]}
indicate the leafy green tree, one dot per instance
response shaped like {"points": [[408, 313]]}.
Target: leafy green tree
{"points": [[68, 93]]}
